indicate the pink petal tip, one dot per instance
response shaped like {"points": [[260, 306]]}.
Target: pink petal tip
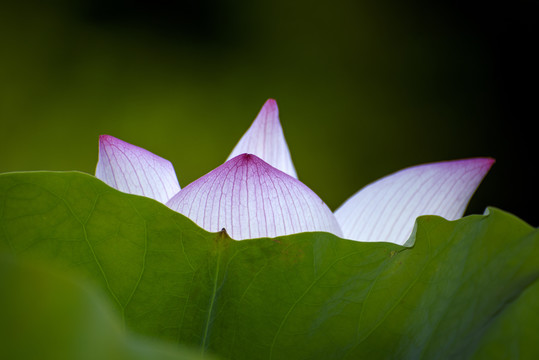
{"points": [[134, 170], [265, 139]]}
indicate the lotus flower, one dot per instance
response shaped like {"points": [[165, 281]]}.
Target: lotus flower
{"points": [[256, 193]]}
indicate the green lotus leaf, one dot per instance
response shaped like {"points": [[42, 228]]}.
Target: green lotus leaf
{"points": [[465, 288]]}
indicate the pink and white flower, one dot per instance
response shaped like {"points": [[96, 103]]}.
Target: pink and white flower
{"points": [[256, 193]]}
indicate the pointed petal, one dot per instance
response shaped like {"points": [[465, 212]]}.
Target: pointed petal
{"points": [[265, 139], [133, 170], [251, 199], [386, 209]]}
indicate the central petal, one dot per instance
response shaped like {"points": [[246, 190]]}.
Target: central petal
{"points": [[251, 199]]}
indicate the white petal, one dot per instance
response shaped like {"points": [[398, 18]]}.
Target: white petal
{"points": [[386, 209], [251, 199], [265, 139], [133, 170]]}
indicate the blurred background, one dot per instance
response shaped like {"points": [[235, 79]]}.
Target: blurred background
{"points": [[364, 88]]}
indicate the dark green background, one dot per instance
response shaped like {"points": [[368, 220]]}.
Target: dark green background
{"points": [[365, 88]]}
